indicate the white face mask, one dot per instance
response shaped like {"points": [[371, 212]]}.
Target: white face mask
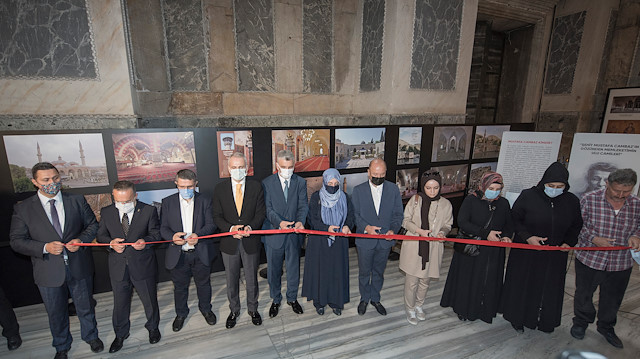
{"points": [[286, 172], [238, 174], [125, 207]]}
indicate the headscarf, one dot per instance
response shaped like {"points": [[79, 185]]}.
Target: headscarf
{"points": [[556, 172], [334, 206], [487, 180], [423, 246]]}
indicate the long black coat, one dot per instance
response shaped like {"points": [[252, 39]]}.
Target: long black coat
{"points": [[474, 284], [536, 279]]}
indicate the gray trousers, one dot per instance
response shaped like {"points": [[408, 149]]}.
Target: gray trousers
{"points": [[415, 291], [232, 263]]}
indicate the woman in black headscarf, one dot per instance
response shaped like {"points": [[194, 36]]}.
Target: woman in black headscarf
{"points": [[474, 284], [547, 214], [326, 266], [427, 214]]}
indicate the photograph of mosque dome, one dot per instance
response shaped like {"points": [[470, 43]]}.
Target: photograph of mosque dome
{"points": [[309, 146], [356, 147], [79, 159], [153, 156]]}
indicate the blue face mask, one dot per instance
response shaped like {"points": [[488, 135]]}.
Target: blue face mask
{"points": [[491, 194], [553, 192], [186, 193]]}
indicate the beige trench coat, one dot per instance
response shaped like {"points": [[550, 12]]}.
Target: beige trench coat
{"points": [[441, 220]]}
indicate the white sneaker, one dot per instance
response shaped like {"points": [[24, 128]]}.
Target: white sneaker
{"points": [[411, 317], [420, 314]]}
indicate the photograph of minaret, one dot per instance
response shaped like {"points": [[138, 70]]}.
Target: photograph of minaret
{"points": [[78, 157]]}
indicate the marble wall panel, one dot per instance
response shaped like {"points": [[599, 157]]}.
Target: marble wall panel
{"points": [[372, 34], [46, 39], [317, 45], [187, 49], [255, 57], [563, 53], [436, 38]]}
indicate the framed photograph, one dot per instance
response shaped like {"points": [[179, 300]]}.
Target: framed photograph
{"points": [[79, 158], [153, 156], [230, 142], [409, 140], [451, 143], [313, 185], [487, 141], [408, 182], [356, 147], [454, 178], [622, 113], [309, 146], [351, 180], [478, 170], [97, 202]]}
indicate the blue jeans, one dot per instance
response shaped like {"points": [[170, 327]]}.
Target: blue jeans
{"points": [[56, 303]]}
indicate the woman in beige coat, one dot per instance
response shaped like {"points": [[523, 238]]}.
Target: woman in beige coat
{"points": [[427, 214]]}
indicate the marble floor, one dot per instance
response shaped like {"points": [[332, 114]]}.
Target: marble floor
{"points": [[309, 335]]}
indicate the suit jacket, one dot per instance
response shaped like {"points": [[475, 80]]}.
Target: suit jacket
{"points": [[144, 225], [225, 214], [171, 223], [390, 214], [31, 230], [295, 209]]}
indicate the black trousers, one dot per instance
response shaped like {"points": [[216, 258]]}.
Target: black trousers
{"points": [[612, 287], [190, 265], [8, 321], [122, 290]]}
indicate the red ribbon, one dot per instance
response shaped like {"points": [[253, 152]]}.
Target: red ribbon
{"points": [[384, 236]]}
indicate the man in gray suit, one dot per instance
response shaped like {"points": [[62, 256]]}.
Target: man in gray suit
{"points": [[285, 197], [45, 227], [374, 218]]}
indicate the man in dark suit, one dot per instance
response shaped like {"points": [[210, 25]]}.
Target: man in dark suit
{"points": [[374, 218], [130, 221], [45, 227], [238, 205], [9, 323], [285, 198], [187, 215]]}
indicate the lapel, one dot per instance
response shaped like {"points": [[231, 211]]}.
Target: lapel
{"points": [[244, 198], [68, 217], [137, 212], [42, 215], [196, 211], [280, 190], [370, 199]]}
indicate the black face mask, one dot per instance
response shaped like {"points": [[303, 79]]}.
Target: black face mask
{"points": [[377, 180], [331, 189]]}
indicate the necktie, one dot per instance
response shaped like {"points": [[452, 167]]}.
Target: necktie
{"points": [[239, 198], [55, 220], [125, 224], [286, 190]]}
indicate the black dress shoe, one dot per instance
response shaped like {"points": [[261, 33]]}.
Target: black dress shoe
{"points": [[154, 336], [296, 307], [379, 307], [320, 310], [462, 318], [611, 337], [96, 345], [61, 354], [577, 331], [518, 328], [231, 320], [273, 311], [362, 308], [263, 273], [117, 344], [210, 318], [178, 323], [337, 311], [14, 342], [256, 319]]}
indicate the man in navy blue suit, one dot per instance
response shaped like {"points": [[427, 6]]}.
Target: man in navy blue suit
{"points": [[285, 197], [374, 218], [44, 227], [187, 215]]}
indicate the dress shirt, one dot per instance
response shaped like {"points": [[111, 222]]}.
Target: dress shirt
{"points": [[600, 220], [233, 190], [44, 200], [376, 193], [186, 212]]}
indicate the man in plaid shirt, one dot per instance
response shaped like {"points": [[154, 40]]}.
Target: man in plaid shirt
{"points": [[611, 218]]}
